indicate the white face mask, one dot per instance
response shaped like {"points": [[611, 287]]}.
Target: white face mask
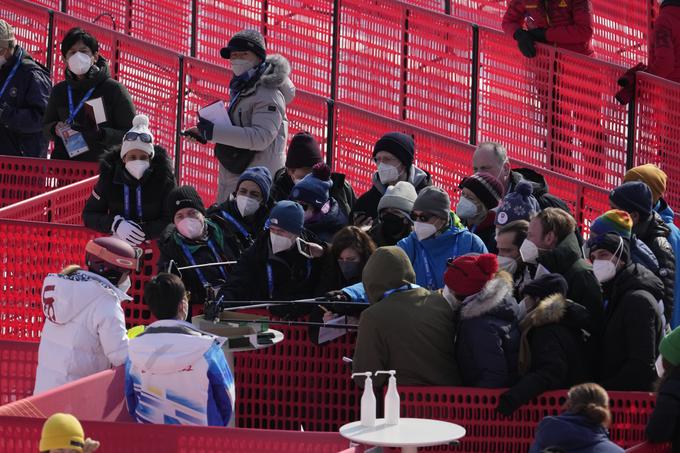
{"points": [[507, 264], [246, 205], [528, 251], [387, 173], [466, 209], [296, 180], [241, 66], [190, 228], [522, 308], [137, 168], [280, 243], [125, 285], [79, 63], [424, 230], [660, 370], [604, 270]]}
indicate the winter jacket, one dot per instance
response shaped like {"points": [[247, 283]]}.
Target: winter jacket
{"points": [[84, 331], [568, 23], [258, 117], [172, 247], [429, 256], [641, 254], [108, 196], [632, 330], [342, 191], [326, 225], [410, 330], [663, 425], [584, 289], [486, 231], [668, 217], [177, 375], [368, 202], [552, 350], [540, 188], [117, 105], [572, 433], [655, 233], [23, 105], [664, 49], [488, 335], [239, 232]]}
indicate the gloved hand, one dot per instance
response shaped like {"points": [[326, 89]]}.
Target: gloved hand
{"points": [[506, 405], [525, 42], [538, 34], [127, 230], [205, 127], [337, 296], [89, 134]]}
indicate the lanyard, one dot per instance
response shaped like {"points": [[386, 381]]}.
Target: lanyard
{"points": [[406, 287], [190, 257], [235, 222], [270, 277], [73, 112], [428, 271], [126, 195], [12, 73]]}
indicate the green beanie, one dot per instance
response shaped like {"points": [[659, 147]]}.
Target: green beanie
{"points": [[670, 347]]}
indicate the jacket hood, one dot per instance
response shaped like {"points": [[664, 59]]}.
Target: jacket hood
{"points": [[662, 207], [634, 278], [28, 64], [571, 432], [96, 75], [275, 76], [71, 294], [563, 256], [494, 299], [161, 350], [111, 164], [537, 180], [556, 309], [417, 177], [388, 268]]}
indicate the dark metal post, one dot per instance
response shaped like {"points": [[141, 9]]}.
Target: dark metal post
{"points": [[330, 131], [404, 67], [178, 125], [335, 43], [447, 7], [50, 42], [263, 25], [194, 28], [64, 6], [474, 85], [630, 137]]}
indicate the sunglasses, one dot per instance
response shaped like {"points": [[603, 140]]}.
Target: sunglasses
{"points": [[421, 217], [143, 136]]}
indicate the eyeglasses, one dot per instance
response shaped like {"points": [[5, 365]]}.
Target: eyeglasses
{"points": [[143, 136], [421, 217]]}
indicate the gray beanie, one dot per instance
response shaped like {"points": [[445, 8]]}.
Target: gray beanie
{"points": [[433, 200], [400, 196], [6, 34], [243, 40]]}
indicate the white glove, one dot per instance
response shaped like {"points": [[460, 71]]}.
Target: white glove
{"points": [[127, 230]]}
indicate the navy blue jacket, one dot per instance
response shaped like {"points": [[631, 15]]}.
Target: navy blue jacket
{"points": [[326, 225], [22, 107], [572, 433]]}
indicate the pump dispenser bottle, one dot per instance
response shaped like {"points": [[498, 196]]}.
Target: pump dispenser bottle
{"points": [[367, 400], [391, 399]]}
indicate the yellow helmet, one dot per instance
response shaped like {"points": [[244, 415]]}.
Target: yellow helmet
{"points": [[62, 431]]}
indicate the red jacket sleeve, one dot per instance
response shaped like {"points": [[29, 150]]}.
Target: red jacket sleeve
{"points": [[513, 19], [578, 32], [662, 57]]}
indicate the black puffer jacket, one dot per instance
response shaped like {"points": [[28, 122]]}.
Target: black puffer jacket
{"points": [[664, 423], [632, 330], [107, 198], [117, 105], [239, 232], [654, 233]]}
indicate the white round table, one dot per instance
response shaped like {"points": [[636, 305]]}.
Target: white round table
{"points": [[409, 434]]}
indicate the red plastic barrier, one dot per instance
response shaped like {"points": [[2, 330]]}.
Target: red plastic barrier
{"points": [[31, 26], [18, 361], [646, 447]]}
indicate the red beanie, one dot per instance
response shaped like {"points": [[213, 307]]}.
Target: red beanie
{"points": [[467, 274]]}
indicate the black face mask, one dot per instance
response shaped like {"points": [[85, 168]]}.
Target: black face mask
{"points": [[395, 226], [351, 270]]}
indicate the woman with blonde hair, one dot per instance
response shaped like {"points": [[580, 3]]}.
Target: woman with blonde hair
{"points": [[582, 427]]}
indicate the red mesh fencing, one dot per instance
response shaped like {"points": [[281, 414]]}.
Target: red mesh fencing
{"points": [[31, 27], [18, 360]]}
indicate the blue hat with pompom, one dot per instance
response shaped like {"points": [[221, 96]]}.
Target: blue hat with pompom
{"points": [[518, 205], [314, 189]]}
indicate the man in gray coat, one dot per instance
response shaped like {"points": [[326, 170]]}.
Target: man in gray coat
{"points": [[259, 93]]}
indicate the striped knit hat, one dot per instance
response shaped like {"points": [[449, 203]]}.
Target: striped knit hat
{"points": [[486, 187], [614, 221]]}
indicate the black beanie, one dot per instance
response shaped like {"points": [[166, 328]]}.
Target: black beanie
{"points": [[303, 151], [546, 285], [611, 243], [398, 144], [184, 197]]}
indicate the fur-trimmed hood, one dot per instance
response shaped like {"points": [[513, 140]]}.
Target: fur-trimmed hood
{"points": [[276, 76], [556, 309], [495, 299]]}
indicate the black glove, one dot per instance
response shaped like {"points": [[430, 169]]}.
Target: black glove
{"points": [[337, 296], [205, 127], [538, 34], [506, 405], [90, 135], [525, 42]]}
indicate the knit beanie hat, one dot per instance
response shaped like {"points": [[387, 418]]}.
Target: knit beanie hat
{"points": [[611, 243], [6, 34], [613, 221], [546, 285], [303, 151], [400, 196], [288, 215], [244, 40], [486, 187], [433, 200], [62, 431], [398, 144], [314, 189], [518, 205], [467, 274], [670, 347], [139, 137], [651, 175], [634, 196], [184, 197], [260, 176]]}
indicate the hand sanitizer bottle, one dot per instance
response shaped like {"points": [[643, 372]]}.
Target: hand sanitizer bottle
{"points": [[367, 400], [391, 399]]}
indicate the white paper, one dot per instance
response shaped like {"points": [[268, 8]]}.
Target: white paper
{"points": [[216, 113], [98, 108], [328, 334]]}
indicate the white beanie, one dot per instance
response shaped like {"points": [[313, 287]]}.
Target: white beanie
{"points": [[140, 125], [400, 196]]}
